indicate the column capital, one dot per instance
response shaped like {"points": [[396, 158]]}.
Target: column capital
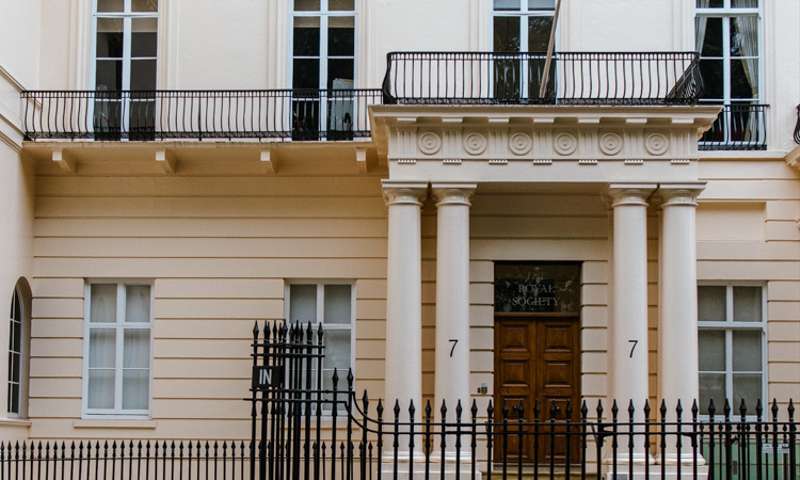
{"points": [[622, 194], [453, 193], [680, 194], [404, 193]]}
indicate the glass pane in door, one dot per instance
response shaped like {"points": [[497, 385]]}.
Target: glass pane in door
{"points": [[507, 73]]}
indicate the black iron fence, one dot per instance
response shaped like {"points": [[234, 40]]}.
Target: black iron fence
{"points": [[630, 78], [738, 127], [198, 114], [309, 425], [797, 127]]}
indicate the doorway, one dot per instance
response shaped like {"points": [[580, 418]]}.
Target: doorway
{"points": [[537, 354]]}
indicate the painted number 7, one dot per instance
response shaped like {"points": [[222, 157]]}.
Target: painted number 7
{"points": [[633, 347], [454, 341]]}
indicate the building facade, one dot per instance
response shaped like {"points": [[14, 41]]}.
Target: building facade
{"points": [[464, 217]]}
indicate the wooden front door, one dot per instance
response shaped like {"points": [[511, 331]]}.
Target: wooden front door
{"points": [[537, 358]]}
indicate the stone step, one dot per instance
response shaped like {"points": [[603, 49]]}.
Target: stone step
{"points": [[529, 473]]}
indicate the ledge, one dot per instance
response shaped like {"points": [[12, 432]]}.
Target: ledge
{"points": [[116, 424], [15, 422], [742, 154]]}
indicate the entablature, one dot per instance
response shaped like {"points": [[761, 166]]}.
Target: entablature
{"points": [[541, 143]]}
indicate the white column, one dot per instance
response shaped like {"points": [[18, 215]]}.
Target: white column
{"points": [[677, 346], [627, 336], [452, 296], [404, 295]]}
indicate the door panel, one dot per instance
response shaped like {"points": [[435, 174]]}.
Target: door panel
{"points": [[536, 359]]}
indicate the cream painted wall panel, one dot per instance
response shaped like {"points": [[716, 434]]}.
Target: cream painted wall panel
{"points": [[166, 429], [222, 328], [20, 39], [748, 190], [220, 388], [783, 311], [56, 387], [212, 227], [784, 230], [371, 289], [57, 328], [202, 368], [56, 347], [229, 288], [756, 270], [783, 210], [57, 308], [63, 367], [788, 331], [190, 408], [481, 293], [783, 351], [58, 287], [731, 222], [513, 249], [708, 250], [208, 207], [211, 268], [370, 309], [165, 308], [777, 291], [538, 205], [237, 50], [54, 407], [201, 348]]}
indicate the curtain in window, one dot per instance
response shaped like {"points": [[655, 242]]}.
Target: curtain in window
{"points": [[702, 21], [747, 33]]}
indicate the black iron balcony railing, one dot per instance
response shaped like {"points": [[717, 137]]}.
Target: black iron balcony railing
{"points": [[738, 127], [199, 114], [797, 127], [603, 78]]}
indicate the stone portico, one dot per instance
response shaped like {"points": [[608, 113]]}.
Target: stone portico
{"points": [[636, 157]]}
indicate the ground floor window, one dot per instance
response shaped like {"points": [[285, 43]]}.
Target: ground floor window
{"points": [[117, 371], [731, 345], [16, 355], [331, 306]]}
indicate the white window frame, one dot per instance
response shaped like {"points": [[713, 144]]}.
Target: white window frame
{"points": [[119, 327], [320, 313], [725, 13], [127, 17], [24, 325], [729, 326], [323, 14], [526, 14]]}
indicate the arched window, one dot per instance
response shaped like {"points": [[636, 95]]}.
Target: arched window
{"points": [[17, 354]]}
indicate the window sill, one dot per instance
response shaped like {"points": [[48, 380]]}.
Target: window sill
{"points": [[116, 424], [15, 423]]}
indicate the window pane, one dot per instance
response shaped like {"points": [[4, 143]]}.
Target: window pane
{"points": [[337, 304], [13, 367], [340, 74], [710, 3], [16, 336], [711, 304], [712, 350], [539, 33], [337, 351], [713, 79], [744, 3], [137, 303], [144, 5], [506, 34], [135, 389], [746, 304], [104, 303], [305, 74], [744, 36], [303, 303], [101, 389], [144, 37], [306, 5], [744, 78], [13, 398], [341, 32], [747, 351], [110, 5], [109, 37], [136, 348], [306, 36], [143, 74], [348, 5], [748, 387], [541, 4], [507, 4], [712, 386], [708, 32], [102, 348], [109, 75]]}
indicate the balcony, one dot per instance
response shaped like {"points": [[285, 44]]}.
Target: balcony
{"points": [[573, 78], [298, 115], [738, 127], [437, 78]]}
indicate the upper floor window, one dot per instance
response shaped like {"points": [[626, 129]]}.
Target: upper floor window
{"points": [[125, 52], [17, 355], [117, 369], [731, 345], [521, 26], [727, 39], [323, 57]]}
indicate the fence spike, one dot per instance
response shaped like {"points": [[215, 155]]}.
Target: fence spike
{"points": [[490, 410], [774, 409], [474, 408], [599, 409], [443, 409], [662, 409], [759, 408], [726, 408], [365, 402], [742, 408], [614, 410], [255, 329], [712, 409], [631, 409], [396, 408], [679, 409], [790, 410], [411, 410]]}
